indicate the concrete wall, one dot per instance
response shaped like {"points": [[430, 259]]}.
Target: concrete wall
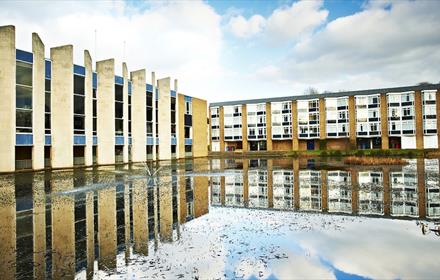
{"points": [[164, 105], [88, 91], [125, 111], [7, 97], [282, 145], [222, 128], [322, 122], [352, 121], [62, 106], [38, 100], [138, 116], [338, 144], [106, 111], [180, 99], [384, 121], [200, 137]]}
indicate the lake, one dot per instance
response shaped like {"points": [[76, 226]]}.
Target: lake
{"points": [[258, 218]]}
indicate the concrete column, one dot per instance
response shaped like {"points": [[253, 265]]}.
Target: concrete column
{"points": [[322, 121], [270, 183], [153, 83], [421, 192], [105, 91], [39, 226], [155, 214], [386, 192], [222, 128], [437, 105], [418, 106], [107, 228], [354, 191], [180, 104], [268, 126], [63, 227], [384, 121], [125, 112], [140, 217], [295, 146], [127, 222], [352, 121], [164, 105], [324, 191], [166, 209], [243, 128], [38, 100], [245, 182], [138, 116], [90, 232], [8, 224], [7, 97], [88, 90], [296, 183], [178, 122], [62, 106], [200, 137]]}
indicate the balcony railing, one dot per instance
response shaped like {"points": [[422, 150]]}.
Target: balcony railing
{"points": [[78, 161], [23, 164]]}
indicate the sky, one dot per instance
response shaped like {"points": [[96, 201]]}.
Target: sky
{"points": [[231, 50]]}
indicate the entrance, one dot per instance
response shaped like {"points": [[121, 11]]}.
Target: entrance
{"points": [[310, 145]]}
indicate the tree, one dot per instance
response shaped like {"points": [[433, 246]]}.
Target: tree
{"points": [[311, 91]]}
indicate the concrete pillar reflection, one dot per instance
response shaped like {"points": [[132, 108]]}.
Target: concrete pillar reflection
{"points": [[8, 224], [39, 226], [421, 187], [90, 234], [296, 183], [140, 217], [127, 221], [245, 182], [270, 183], [107, 228], [166, 209], [386, 192], [324, 190], [201, 196]]}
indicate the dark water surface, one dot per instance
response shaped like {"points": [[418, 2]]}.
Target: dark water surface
{"points": [[223, 218]]}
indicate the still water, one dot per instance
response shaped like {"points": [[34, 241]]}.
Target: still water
{"points": [[223, 218]]}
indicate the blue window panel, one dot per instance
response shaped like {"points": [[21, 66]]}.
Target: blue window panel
{"points": [[24, 56], [47, 140], [95, 80], [173, 93], [173, 141], [79, 140], [95, 140], [119, 140], [149, 88], [150, 141], [119, 80], [48, 69], [130, 141], [79, 70], [188, 98], [188, 141], [24, 139], [129, 87], [157, 94]]}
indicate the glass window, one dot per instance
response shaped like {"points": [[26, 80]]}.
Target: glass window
{"points": [[47, 121], [78, 84], [119, 95], [187, 132], [47, 102], [78, 124], [150, 128], [119, 127], [23, 74], [149, 99], [78, 104], [119, 110], [149, 114], [23, 120], [47, 85], [188, 108], [24, 97]]}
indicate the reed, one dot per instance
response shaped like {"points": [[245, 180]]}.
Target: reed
{"points": [[374, 160]]}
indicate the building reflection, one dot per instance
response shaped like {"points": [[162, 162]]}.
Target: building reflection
{"points": [[408, 192], [69, 224]]}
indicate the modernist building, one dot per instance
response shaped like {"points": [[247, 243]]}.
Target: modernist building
{"points": [[56, 114], [388, 118]]}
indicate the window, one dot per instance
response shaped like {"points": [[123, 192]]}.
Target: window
{"points": [[188, 134], [23, 98], [188, 108], [78, 105]]}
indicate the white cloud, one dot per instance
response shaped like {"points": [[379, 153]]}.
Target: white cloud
{"points": [[182, 39], [284, 24], [244, 28]]}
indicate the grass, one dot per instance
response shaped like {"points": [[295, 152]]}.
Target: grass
{"points": [[367, 153], [374, 160]]}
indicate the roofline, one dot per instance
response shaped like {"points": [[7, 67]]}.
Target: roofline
{"points": [[330, 94]]}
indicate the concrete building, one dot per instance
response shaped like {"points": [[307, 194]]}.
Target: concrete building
{"points": [[387, 118], [56, 114]]}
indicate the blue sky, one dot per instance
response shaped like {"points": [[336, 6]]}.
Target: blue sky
{"points": [[226, 50]]}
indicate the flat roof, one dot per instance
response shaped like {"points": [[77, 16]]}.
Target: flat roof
{"points": [[329, 94]]}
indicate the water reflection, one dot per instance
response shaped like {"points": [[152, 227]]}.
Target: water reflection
{"points": [[410, 191], [97, 223]]}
